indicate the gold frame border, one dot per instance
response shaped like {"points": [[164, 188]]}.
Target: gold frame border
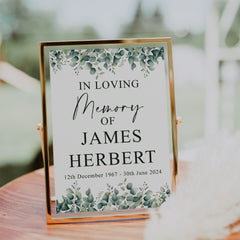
{"points": [[44, 135]]}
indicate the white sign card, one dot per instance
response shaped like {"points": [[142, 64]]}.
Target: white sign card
{"points": [[110, 127]]}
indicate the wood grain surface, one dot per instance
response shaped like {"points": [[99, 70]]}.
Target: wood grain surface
{"points": [[22, 216]]}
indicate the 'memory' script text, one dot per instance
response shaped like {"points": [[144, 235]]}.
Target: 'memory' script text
{"points": [[90, 104]]}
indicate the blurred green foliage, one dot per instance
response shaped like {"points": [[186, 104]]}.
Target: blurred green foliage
{"points": [[233, 36], [22, 29]]}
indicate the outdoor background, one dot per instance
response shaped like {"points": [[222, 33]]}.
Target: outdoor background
{"points": [[206, 55]]}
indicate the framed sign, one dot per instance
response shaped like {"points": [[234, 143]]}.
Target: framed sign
{"points": [[110, 114]]}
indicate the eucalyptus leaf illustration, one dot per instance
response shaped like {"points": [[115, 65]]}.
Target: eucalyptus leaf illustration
{"points": [[120, 197], [98, 61]]}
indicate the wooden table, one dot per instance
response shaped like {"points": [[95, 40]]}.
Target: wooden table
{"points": [[22, 216]]}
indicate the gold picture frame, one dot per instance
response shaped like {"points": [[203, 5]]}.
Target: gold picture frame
{"points": [[50, 201]]}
